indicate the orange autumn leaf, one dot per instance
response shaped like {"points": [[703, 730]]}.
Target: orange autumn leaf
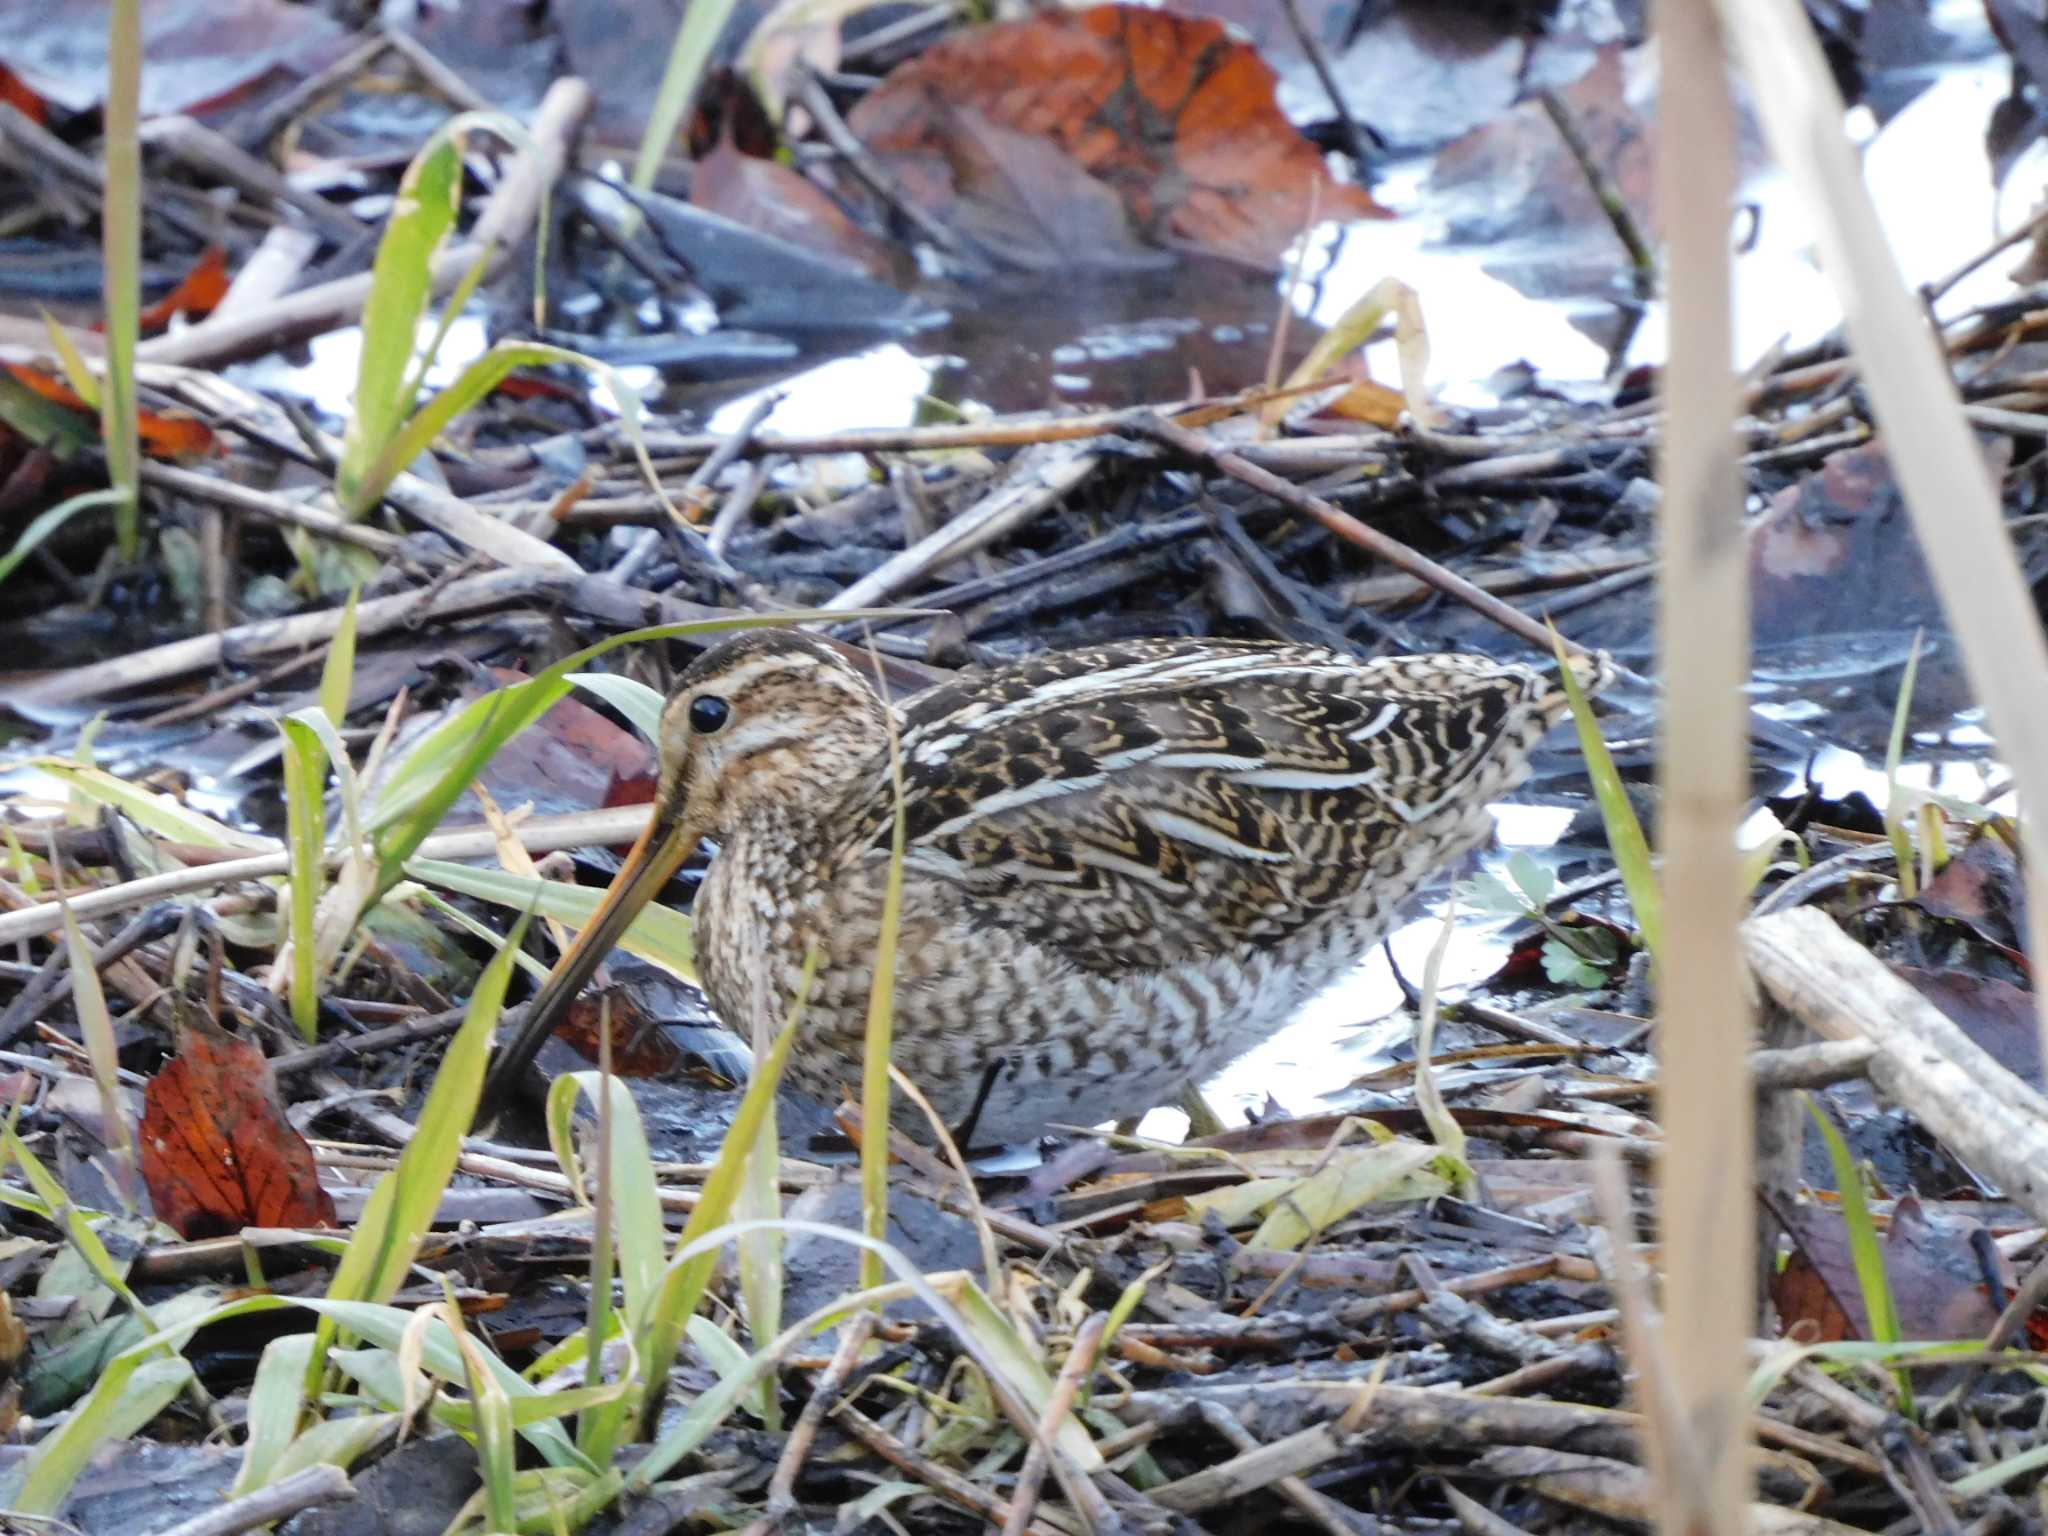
{"points": [[176, 436], [17, 94], [196, 295], [1167, 110], [218, 1154], [170, 435], [46, 384]]}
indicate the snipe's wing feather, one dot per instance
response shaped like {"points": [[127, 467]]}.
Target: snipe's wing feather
{"points": [[1144, 804]]}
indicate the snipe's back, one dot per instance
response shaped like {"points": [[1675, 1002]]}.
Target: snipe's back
{"points": [[1124, 865]]}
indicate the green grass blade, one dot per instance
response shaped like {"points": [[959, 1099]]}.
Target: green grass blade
{"points": [[1987, 1480], [96, 1025], [876, 1049], [277, 1402], [1897, 810], [121, 239], [495, 1441], [388, 1236], [760, 1200], [760, 1253], [117, 1405], [43, 524], [78, 1227], [1866, 1249], [84, 382], [684, 1279], [337, 1442], [1395, 1170], [149, 810], [338, 672], [657, 934], [1444, 1128], [305, 776], [702, 25], [476, 382], [636, 1198], [133, 1390], [401, 282], [1625, 838], [635, 700], [711, 1408]]}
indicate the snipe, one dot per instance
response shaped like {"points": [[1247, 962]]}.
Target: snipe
{"points": [[1124, 865]]}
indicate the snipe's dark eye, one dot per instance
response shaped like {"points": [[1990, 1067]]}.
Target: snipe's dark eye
{"points": [[708, 714]]}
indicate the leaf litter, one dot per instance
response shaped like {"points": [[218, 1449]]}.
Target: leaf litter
{"points": [[336, 1268]]}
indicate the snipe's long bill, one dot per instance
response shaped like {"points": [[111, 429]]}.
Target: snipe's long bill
{"points": [[1124, 865]]}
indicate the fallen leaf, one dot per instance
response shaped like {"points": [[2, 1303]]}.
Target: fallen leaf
{"points": [[1936, 1279], [727, 108], [640, 1046], [770, 197], [17, 95], [1982, 888], [1996, 1015], [1174, 117], [199, 55], [569, 760], [218, 1154], [172, 435], [196, 294], [1806, 1302]]}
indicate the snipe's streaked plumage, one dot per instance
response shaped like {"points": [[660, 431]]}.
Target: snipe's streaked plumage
{"points": [[1124, 866]]}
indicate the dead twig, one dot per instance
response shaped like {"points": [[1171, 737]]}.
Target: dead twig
{"points": [[804, 1433], [1080, 1361], [1346, 527]]}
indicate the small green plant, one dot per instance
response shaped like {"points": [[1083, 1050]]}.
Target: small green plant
{"points": [[1866, 1249], [1625, 838], [702, 25], [1572, 956], [1899, 803], [390, 427], [312, 738]]}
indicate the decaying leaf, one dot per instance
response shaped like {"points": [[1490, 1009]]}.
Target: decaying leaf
{"points": [[217, 1152], [1179, 120]]}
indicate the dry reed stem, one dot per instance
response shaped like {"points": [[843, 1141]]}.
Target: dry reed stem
{"points": [[1703, 1025], [796, 1449], [1080, 1361], [1918, 409]]}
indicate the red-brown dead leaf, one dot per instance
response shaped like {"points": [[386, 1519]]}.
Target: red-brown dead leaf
{"points": [[640, 1047], [569, 760], [170, 435], [176, 436], [196, 294], [46, 384], [1936, 1279], [218, 1154], [1807, 1306], [1178, 119], [728, 111], [772, 198], [16, 93]]}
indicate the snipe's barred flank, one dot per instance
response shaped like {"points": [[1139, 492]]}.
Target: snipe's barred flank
{"points": [[1124, 865]]}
